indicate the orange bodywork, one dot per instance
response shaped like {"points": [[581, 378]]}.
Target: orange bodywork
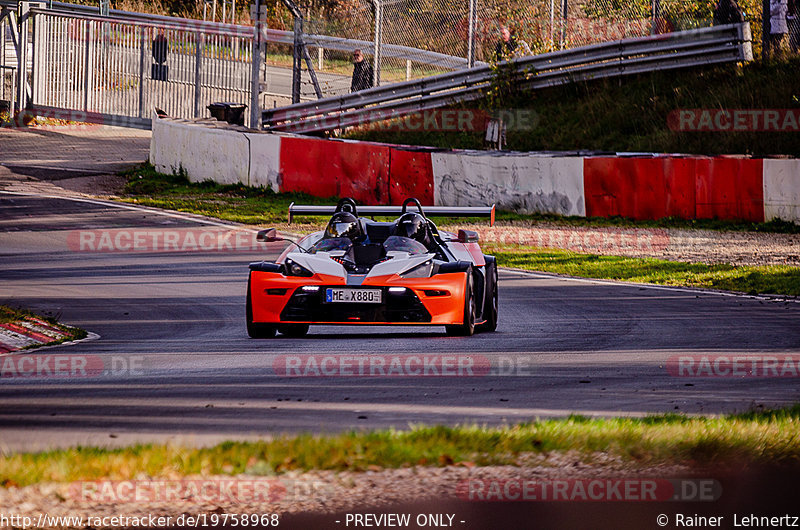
{"points": [[447, 309]]}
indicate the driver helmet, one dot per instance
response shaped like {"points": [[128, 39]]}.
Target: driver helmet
{"points": [[343, 224], [414, 226]]}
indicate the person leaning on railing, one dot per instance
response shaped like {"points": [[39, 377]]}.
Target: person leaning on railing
{"points": [[727, 12], [362, 72], [509, 46]]}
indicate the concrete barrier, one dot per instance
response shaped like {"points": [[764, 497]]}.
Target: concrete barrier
{"points": [[204, 153], [782, 190], [264, 160], [525, 183], [640, 187]]}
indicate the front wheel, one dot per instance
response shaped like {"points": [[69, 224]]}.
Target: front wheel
{"points": [[467, 328], [254, 329]]}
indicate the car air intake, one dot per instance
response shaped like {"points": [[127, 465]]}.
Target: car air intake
{"points": [[367, 254]]}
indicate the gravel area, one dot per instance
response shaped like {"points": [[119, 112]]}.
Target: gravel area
{"points": [[311, 492], [695, 246]]}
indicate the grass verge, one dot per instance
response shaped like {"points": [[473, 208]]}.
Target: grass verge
{"points": [[259, 206], [769, 436], [631, 114], [762, 279]]}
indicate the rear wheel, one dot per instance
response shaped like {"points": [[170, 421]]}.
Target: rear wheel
{"points": [[254, 329], [293, 330], [491, 303], [467, 328]]}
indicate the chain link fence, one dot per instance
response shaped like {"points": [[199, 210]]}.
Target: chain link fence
{"points": [[418, 38]]}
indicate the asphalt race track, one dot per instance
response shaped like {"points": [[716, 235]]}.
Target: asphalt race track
{"points": [[571, 345]]}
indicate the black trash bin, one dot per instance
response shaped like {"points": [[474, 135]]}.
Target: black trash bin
{"points": [[233, 113]]}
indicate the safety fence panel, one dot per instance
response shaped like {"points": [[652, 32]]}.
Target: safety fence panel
{"points": [[124, 70]]}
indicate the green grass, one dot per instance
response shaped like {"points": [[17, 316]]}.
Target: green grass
{"points": [[10, 315], [261, 206], [630, 114], [231, 202], [767, 279], [751, 437]]}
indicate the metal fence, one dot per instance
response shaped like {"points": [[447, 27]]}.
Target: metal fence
{"points": [[106, 65], [8, 61], [127, 69], [469, 30]]}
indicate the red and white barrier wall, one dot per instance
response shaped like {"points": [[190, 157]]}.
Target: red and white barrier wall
{"points": [[637, 187]]}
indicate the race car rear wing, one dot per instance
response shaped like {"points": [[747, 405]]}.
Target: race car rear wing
{"points": [[368, 211]]}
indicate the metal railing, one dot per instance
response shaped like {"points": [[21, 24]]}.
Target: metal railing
{"points": [[706, 46], [120, 70], [280, 36]]}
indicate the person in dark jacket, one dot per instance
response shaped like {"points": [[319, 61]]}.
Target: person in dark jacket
{"points": [[727, 12], [362, 73], [509, 46], [160, 46]]}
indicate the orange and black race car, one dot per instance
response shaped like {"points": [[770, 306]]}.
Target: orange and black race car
{"points": [[361, 272]]}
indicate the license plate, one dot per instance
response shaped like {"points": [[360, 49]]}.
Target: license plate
{"points": [[353, 296]]}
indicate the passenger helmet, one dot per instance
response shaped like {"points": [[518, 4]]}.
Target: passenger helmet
{"points": [[414, 226], [343, 224]]}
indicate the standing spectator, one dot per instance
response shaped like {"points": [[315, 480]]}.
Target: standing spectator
{"points": [[160, 46], [509, 47], [362, 73], [727, 12], [160, 70], [778, 28]]}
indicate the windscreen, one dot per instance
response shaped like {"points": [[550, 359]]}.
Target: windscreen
{"points": [[404, 244], [329, 244]]}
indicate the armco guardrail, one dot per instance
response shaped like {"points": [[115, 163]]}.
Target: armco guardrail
{"points": [[718, 44]]}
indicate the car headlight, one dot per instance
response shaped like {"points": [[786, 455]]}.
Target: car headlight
{"points": [[423, 270], [293, 268]]}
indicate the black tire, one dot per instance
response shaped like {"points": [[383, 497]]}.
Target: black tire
{"points": [[467, 328], [293, 330], [254, 329], [492, 300]]}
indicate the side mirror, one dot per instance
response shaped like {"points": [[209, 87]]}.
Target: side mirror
{"points": [[268, 235], [467, 236]]}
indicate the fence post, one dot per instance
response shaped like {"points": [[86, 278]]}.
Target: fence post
{"points": [[255, 111], [198, 69], [655, 8], [766, 28], [141, 70], [297, 58], [563, 39], [471, 34], [376, 70], [22, 55], [87, 66], [36, 58]]}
